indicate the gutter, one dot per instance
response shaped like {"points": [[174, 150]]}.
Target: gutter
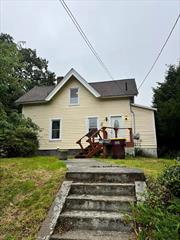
{"points": [[31, 102]]}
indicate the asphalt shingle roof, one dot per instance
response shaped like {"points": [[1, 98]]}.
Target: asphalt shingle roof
{"points": [[115, 88], [36, 94]]}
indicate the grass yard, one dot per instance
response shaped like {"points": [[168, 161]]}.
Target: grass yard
{"points": [[27, 189], [151, 166]]}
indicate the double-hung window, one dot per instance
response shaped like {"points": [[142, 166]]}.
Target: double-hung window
{"points": [[92, 124], [55, 129], [74, 96]]}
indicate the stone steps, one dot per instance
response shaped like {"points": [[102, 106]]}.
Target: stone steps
{"points": [[105, 176], [93, 220], [93, 235], [99, 202], [94, 202], [108, 189]]}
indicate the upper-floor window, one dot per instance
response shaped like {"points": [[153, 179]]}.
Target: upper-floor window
{"points": [[55, 129], [74, 96]]}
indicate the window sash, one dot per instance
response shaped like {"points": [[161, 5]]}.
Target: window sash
{"points": [[55, 129], [74, 96], [92, 123]]}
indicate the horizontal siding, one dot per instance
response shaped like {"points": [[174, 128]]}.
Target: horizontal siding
{"points": [[74, 118], [145, 126]]}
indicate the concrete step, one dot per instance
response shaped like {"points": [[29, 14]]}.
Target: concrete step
{"points": [[93, 235], [93, 220], [99, 202], [115, 189], [116, 176]]}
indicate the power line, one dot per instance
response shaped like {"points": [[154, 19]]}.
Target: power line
{"points": [[85, 37], [150, 70]]}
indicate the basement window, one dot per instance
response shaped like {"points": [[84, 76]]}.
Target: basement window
{"points": [[74, 96], [55, 129]]}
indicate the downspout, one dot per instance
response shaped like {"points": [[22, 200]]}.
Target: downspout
{"points": [[133, 119]]}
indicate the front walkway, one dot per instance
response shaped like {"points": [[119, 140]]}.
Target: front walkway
{"points": [[92, 165]]}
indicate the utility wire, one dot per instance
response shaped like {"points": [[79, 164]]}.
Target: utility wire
{"points": [[150, 70], [85, 37]]}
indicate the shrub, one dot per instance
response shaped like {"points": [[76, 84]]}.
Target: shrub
{"points": [[156, 223], [18, 136], [159, 216], [171, 179]]}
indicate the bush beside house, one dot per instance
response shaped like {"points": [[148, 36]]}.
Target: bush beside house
{"points": [[18, 136], [21, 69], [159, 216]]}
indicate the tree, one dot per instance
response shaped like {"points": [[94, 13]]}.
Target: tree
{"points": [[20, 70], [167, 101], [35, 69], [11, 85]]}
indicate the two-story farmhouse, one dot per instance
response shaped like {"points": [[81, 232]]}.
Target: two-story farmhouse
{"points": [[68, 110]]}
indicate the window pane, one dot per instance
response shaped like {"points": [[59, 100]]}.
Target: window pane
{"points": [[74, 92], [74, 95], [93, 123], [55, 124], [55, 134], [74, 100], [116, 124], [55, 131]]}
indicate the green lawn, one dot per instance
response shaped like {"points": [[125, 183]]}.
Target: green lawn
{"points": [[151, 166], [27, 189]]}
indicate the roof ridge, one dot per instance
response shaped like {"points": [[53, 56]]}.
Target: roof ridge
{"points": [[125, 79]]}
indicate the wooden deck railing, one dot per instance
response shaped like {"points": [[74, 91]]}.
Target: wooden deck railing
{"points": [[103, 134]]}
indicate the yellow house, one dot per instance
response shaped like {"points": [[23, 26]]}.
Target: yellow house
{"points": [[67, 111]]}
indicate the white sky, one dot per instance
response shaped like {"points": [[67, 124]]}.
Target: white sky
{"points": [[126, 34]]}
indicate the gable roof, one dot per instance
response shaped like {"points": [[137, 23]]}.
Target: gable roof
{"points": [[71, 73], [37, 94], [106, 89], [116, 88]]}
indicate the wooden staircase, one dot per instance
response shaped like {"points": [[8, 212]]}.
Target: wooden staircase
{"points": [[95, 140]]}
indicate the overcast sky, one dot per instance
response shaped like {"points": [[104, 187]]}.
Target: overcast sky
{"points": [[126, 34]]}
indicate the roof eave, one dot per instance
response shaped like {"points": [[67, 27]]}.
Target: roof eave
{"points": [[30, 102], [121, 96], [144, 107]]}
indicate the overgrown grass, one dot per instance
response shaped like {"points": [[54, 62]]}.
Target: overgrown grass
{"points": [[151, 166], [28, 187]]}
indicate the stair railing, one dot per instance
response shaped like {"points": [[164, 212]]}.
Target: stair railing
{"points": [[91, 138]]}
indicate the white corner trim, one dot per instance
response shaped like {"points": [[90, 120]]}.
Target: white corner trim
{"points": [[71, 73], [50, 130], [145, 107]]}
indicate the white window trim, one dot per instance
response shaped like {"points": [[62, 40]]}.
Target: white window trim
{"points": [[50, 129], [74, 104], [87, 122]]}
